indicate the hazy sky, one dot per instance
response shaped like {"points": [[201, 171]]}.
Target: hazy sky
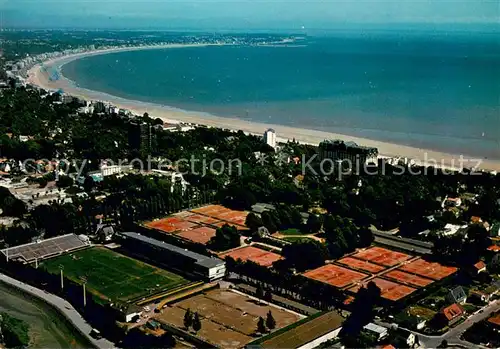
{"points": [[243, 13]]}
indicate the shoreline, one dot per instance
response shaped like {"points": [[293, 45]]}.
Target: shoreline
{"points": [[420, 156]]}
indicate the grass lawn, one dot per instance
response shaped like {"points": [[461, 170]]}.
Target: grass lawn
{"points": [[292, 231], [470, 308], [422, 312], [296, 239], [111, 275], [433, 302]]}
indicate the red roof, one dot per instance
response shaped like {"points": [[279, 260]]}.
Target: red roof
{"points": [[348, 300], [495, 320], [388, 346], [475, 219], [452, 312], [494, 248], [480, 265]]}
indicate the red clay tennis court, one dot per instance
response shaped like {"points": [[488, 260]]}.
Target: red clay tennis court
{"points": [[222, 213], [407, 278], [211, 210], [183, 214], [335, 275], [196, 218], [201, 235], [237, 217], [431, 270], [390, 290], [170, 224], [254, 254], [382, 256], [361, 265]]}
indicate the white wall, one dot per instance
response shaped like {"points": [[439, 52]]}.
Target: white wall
{"points": [[129, 317], [322, 339], [217, 272]]}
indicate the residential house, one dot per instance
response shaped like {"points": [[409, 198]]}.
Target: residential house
{"points": [[412, 341], [105, 231], [131, 312], [494, 321], [478, 297], [494, 248], [457, 295], [452, 229], [452, 202], [476, 220], [298, 180], [379, 331], [479, 267], [450, 315]]}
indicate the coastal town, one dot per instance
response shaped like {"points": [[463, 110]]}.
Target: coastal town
{"points": [[146, 232]]}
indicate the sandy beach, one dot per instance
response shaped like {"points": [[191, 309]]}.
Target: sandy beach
{"points": [[37, 76]]}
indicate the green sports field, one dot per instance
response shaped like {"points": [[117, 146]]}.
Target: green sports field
{"points": [[113, 276]]}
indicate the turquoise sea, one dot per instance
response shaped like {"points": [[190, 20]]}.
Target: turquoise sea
{"points": [[440, 92]]}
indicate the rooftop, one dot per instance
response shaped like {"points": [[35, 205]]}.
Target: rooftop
{"points": [[375, 328], [494, 248], [480, 265], [307, 331], [452, 312], [29, 253], [458, 294], [495, 319], [199, 259]]}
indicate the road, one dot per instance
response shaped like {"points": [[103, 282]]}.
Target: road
{"points": [[64, 308], [454, 334]]}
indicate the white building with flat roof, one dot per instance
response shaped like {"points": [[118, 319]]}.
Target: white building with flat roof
{"points": [[379, 331], [270, 137]]}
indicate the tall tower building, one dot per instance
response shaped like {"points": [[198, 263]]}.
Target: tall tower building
{"points": [[270, 137], [140, 136]]}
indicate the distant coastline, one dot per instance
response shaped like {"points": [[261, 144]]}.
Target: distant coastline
{"points": [[37, 76]]}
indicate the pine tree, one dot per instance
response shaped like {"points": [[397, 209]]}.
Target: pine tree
{"points": [[270, 322], [261, 326], [188, 319], [196, 322]]}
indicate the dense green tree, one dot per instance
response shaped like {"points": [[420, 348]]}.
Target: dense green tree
{"points": [[19, 234], [253, 222], [261, 325], [494, 265], [225, 238], [362, 312], [296, 217], [270, 321], [88, 184], [314, 224], [305, 255], [64, 182], [196, 322], [15, 331], [188, 319], [269, 221]]}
